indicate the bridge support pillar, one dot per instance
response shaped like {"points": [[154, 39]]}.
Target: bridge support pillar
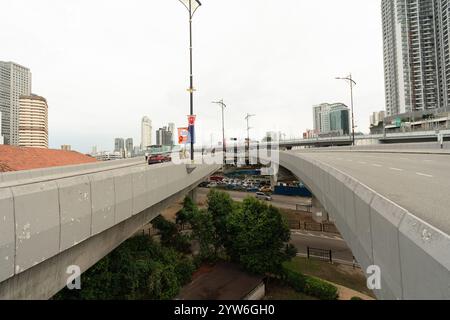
{"points": [[193, 195]]}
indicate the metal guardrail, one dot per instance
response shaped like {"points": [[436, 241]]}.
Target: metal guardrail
{"points": [[313, 226], [303, 207]]}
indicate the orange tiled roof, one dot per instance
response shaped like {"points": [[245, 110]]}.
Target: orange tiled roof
{"points": [[17, 158]]}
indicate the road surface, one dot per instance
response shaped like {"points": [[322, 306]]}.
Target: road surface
{"points": [[419, 183], [302, 239]]}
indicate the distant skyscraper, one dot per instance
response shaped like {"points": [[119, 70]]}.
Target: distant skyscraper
{"points": [[321, 118], [416, 54], [119, 145], [66, 147], [172, 131], [164, 137], [146, 133], [33, 122], [129, 147], [15, 81], [340, 119], [376, 118], [331, 118]]}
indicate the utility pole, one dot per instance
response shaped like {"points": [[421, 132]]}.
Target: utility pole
{"points": [[248, 127], [224, 150], [352, 84], [247, 156]]}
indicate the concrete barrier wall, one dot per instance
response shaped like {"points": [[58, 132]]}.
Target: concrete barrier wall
{"points": [[41, 218], [414, 257], [39, 173]]}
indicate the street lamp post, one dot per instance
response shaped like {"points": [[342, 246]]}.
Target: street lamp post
{"points": [[223, 106], [248, 136], [248, 127], [191, 6], [352, 84]]}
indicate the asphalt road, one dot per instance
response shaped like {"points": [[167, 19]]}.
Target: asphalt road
{"points": [[303, 239], [419, 183], [282, 202]]}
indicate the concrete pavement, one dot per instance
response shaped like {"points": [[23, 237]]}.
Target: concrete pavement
{"points": [[303, 239], [419, 183]]}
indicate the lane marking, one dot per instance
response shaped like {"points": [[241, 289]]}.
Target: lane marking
{"points": [[377, 165], [362, 162], [396, 169], [424, 175]]}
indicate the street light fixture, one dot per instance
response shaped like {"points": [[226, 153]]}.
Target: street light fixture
{"points": [[191, 6], [352, 83], [248, 135], [223, 106]]}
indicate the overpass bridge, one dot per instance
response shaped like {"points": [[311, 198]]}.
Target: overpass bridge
{"points": [[58, 217], [391, 207]]}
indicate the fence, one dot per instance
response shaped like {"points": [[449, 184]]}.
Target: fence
{"points": [[313, 226], [326, 255], [304, 207]]}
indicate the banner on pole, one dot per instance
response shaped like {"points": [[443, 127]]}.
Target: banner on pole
{"points": [[183, 135], [191, 120], [191, 136]]}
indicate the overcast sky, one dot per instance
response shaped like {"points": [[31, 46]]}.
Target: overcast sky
{"points": [[104, 64]]}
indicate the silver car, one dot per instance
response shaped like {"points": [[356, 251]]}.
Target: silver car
{"points": [[263, 196]]}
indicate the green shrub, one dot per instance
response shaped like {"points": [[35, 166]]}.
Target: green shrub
{"points": [[295, 280], [355, 298], [320, 289]]}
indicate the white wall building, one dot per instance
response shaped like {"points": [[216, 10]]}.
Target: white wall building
{"points": [[321, 116], [146, 133], [15, 81], [33, 122]]}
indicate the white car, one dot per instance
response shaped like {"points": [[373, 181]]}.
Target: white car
{"points": [[263, 196]]}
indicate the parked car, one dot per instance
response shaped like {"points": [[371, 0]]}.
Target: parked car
{"points": [[265, 189], [204, 184], [212, 185], [263, 196], [159, 159]]}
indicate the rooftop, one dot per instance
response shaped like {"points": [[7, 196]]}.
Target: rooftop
{"points": [[18, 158], [225, 281]]}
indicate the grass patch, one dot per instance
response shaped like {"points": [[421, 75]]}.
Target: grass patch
{"points": [[339, 274]]}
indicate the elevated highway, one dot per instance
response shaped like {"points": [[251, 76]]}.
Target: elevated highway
{"points": [[54, 218], [392, 208]]}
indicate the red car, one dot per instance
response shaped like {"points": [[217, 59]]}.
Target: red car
{"points": [[159, 159]]}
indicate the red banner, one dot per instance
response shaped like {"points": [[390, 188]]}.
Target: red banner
{"points": [[191, 120]]}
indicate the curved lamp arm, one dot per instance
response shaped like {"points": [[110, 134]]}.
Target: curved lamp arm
{"points": [[191, 6]]}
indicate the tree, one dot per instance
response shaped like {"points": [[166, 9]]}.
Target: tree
{"points": [[259, 237], [220, 206], [170, 235], [139, 269], [186, 214], [204, 231]]}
